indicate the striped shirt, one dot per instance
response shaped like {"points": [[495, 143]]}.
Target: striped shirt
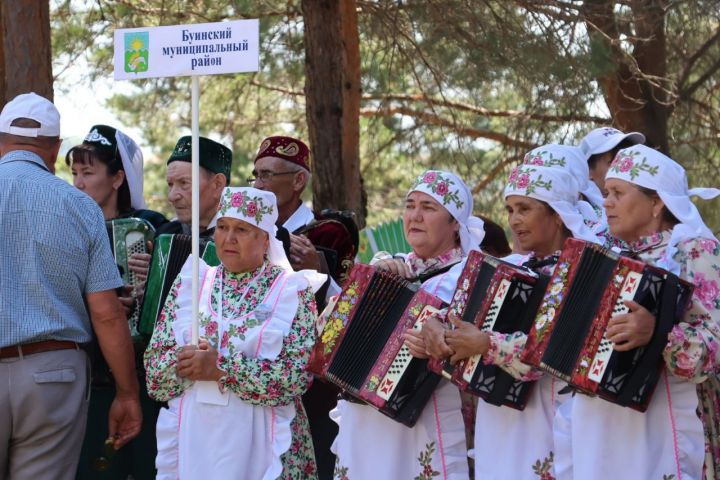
{"points": [[54, 250]]}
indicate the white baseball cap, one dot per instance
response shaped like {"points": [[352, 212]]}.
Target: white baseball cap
{"points": [[604, 139], [32, 106]]}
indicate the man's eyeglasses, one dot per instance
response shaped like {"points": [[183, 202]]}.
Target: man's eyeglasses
{"points": [[266, 175]]}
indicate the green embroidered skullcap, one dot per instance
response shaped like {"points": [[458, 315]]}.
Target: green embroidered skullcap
{"points": [[213, 156]]}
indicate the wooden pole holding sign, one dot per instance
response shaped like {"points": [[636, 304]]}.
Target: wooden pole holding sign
{"points": [[195, 50]]}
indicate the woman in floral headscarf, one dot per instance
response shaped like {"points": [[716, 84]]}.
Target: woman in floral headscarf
{"points": [[590, 201], [541, 202], [234, 407], [440, 228], [648, 206]]}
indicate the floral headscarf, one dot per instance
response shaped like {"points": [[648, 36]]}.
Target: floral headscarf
{"points": [[452, 193], [646, 167], [557, 188], [572, 160], [258, 208]]}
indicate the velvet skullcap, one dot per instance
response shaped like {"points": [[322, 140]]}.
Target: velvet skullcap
{"points": [[285, 148], [214, 156]]}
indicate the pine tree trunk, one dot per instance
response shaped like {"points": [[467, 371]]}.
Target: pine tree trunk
{"points": [[25, 49], [332, 93], [635, 87]]}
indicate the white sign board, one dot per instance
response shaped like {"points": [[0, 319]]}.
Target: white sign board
{"points": [[199, 49]]}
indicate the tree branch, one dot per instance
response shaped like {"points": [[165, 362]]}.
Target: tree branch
{"points": [[454, 105], [436, 120], [687, 92], [695, 57], [487, 112], [494, 173]]}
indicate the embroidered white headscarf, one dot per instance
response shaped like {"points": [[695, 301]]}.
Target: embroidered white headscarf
{"points": [[557, 188], [259, 208], [452, 193], [646, 167], [573, 161]]}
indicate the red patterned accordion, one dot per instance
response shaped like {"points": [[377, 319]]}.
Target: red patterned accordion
{"points": [[588, 288], [361, 348], [500, 297]]}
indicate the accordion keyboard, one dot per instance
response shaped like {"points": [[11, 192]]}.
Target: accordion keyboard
{"points": [[492, 315], [135, 243], [605, 349], [402, 360]]}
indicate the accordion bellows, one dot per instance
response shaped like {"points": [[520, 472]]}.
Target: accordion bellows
{"points": [[169, 255], [361, 348], [586, 290], [494, 296]]}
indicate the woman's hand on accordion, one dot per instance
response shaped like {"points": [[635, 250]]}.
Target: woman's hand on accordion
{"points": [[433, 332], [396, 266], [139, 263], [465, 340], [416, 344], [631, 330], [198, 362]]}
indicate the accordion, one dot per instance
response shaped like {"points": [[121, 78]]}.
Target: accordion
{"points": [[169, 255], [588, 288], [128, 236], [500, 297], [361, 348]]}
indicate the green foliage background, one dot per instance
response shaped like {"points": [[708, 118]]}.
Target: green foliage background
{"points": [[464, 85]]}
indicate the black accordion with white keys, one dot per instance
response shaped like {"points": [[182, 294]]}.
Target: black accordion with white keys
{"points": [[500, 297], [361, 348], [588, 287]]}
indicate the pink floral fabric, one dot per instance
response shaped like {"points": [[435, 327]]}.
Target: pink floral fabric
{"points": [[693, 349], [419, 266], [256, 381]]}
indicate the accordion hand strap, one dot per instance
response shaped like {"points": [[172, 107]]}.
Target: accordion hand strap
{"points": [[423, 277], [653, 351]]}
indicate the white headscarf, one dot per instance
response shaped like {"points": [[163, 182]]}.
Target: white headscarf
{"points": [[646, 167], [452, 193], [557, 188], [259, 208], [132, 160], [573, 160], [604, 139]]}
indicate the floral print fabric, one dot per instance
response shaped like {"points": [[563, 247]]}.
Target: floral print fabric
{"points": [[256, 381], [419, 266], [693, 349]]}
